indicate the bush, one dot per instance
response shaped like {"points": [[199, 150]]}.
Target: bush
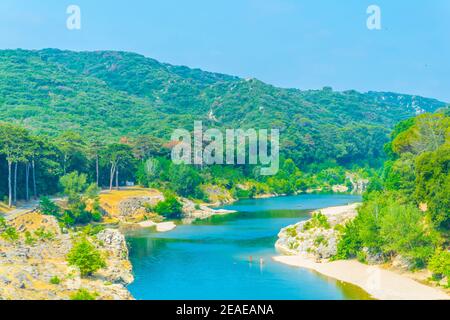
{"points": [[29, 240], [350, 243], [439, 264], [403, 231], [170, 207], [92, 230], [44, 235], [10, 234], [318, 220], [86, 257], [3, 224], [84, 295], [48, 207], [96, 212], [291, 231], [55, 280]]}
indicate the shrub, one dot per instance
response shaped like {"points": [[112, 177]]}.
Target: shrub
{"points": [[320, 240], [350, 243], [83, 294], [318, 220], [170, 207], [291, 231], [3, 224], [404, 231], [29, 240], [48, 207], [96, 212], [67, 219], [10, 234], [44, 235], [92, 230], [55, 280], [86, 257], [439, 264]]}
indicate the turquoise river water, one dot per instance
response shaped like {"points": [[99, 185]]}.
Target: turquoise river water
{"points": [[210, 259]]}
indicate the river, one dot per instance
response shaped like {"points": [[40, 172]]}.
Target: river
{"points": [[210, 259]]}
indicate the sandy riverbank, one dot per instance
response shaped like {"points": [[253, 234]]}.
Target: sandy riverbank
{"points": [[379, 283]]}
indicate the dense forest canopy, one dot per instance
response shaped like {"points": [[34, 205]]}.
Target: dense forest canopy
{"points": [[107, 95]]}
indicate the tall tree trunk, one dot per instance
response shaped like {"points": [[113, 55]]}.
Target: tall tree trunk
{"points": [[15, 183], [9, 184], [111, 176], [117, 178], [96, 168], [27, 176], [34, 179]]}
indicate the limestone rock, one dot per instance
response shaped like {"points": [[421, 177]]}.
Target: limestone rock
{"points": [[373, 257]]}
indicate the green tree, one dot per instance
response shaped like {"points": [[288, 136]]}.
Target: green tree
{"points": [[185, 181], [86, 257], [72, 148], [119, 156], [439, 264], [14, 143], [79, 192], [403, 230], [170, 207], [48, 207]]}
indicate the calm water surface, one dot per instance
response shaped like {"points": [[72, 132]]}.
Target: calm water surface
{"points": [[210, 259]]}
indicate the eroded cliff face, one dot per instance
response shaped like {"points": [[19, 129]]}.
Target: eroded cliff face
{"points": [[30, 265]]}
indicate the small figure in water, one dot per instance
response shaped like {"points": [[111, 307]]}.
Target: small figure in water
{"points": [[250, 259], [261, 261]]}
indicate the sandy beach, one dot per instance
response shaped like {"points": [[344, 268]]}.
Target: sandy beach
{"points": [[379, 283]]}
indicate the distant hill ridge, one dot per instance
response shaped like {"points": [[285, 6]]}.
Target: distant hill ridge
{"points": [[109, 94]]}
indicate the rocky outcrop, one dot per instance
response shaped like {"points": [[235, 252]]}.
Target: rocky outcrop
{"points": [[318, 237], [339, 188], [402, 263], [119, 267], [318, 243], [193, 211], [36, 268], [373, 257], [129, 205], [359, 185], [217, 195], [132, 206]]}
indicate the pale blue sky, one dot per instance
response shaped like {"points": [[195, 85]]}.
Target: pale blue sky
{"points": [[305, 44]]}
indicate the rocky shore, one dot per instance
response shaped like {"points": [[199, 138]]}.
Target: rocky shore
{"points": [[318, 237], [38, 270]]}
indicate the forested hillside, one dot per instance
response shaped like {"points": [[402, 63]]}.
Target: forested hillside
{"points": [[108, 95]]}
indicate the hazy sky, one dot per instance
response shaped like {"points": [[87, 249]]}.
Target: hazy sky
{"points": [[305, 44]]}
